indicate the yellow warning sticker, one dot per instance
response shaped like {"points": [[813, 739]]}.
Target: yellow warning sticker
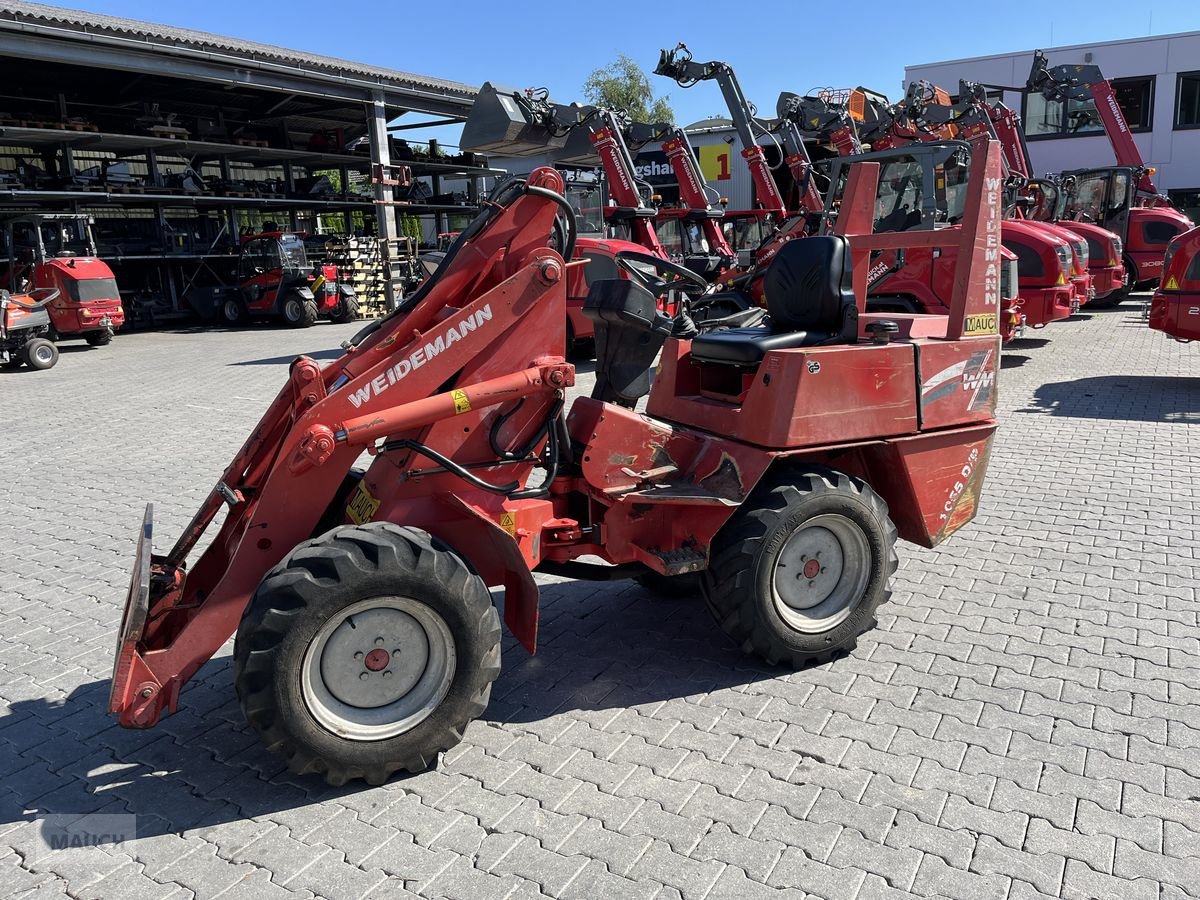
{"points": [[462, 403], [362, 506], [508, 523], [1061, 278], [1171, 285], [982, 324]]}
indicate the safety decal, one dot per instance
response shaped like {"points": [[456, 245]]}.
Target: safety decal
{"points": [[813, 367], [508, 523], [1171, 285], [462, 403], [362, 506]]}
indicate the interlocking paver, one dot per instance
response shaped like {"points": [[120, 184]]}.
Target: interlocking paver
{"points": [[1026, 712]]}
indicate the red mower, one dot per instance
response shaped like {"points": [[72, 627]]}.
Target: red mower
{"points": [[781, 462], [277, 280], [25, 329]]}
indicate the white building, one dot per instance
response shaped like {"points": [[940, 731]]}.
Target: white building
{"points": [[1157, 82]]}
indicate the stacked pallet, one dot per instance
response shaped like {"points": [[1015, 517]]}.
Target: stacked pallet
{"points": [[361, 265]]}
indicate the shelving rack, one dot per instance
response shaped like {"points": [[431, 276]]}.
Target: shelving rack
{"points": [[113, 117]]}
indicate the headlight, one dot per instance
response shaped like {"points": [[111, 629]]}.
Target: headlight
{"points": [[1081, 255], [1171, 248], [1008, 279], [1064, 257]]}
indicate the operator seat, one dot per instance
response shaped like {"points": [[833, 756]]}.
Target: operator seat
{"points": [[810, 301]]}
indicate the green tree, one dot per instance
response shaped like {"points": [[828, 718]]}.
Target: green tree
{"points": [[623, 85]]}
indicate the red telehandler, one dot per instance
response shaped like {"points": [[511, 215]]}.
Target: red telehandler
{"points": [[1036, 198], [782, 462], [1175, 307], [1122, 198]]}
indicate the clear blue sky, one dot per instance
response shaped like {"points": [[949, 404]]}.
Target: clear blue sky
{"points": [[773, 46]]}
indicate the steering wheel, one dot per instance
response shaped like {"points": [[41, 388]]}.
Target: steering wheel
{"points": [[686, 280]]}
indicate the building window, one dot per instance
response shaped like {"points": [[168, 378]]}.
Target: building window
{"points": [[1187, 201], [1136, 99], [1057, 118], [1187, 100]]}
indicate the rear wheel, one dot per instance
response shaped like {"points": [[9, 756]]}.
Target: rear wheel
{"points": [[367, 651], [796, 575], [39, 353], [346, 311], [299, 312], [100, 338]]}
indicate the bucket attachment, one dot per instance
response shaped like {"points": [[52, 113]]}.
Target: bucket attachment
{"points": [[502, 121]]}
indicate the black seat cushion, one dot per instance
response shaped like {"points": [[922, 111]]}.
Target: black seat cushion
{"points": [[748, 346], [809, 284], [810, 298]]}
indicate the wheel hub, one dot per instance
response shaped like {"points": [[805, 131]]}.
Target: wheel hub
{"points": [[378, 668], [821, 573]]}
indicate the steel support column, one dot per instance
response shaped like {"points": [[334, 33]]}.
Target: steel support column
{"points": [[385, 215]]}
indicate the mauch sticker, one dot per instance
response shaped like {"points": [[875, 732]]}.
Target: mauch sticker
{"points": [[975, 376], [982, 324]]}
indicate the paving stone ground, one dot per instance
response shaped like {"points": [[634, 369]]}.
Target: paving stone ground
{"points": [[1025, 722]]}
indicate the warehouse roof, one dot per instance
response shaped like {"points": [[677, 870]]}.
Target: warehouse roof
{"points": [[72, 24]]}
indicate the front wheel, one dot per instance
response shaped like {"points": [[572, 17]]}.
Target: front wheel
{"points": [[366, 651], [345, 311], [100, 338], [234, 311], [40, 353], [797, 574], [299, 312]]}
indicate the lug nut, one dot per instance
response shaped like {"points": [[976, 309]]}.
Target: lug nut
{"points": [[387, 673], [362, 676], [358, 655], [378, 642]]}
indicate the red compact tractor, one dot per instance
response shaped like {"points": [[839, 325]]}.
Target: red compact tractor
{"points": [[57, 251], [781, 462], [276, 279], [25, 329], [1175, 307]]}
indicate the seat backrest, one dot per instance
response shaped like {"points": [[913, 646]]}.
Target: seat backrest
{"points": [[809, 285]]}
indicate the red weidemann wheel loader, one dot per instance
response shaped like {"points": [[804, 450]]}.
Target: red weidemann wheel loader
{"points": [[781, 462]]}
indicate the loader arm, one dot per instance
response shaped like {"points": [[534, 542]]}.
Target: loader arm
{"points": [[679, 65], [452, 351], [1086, 82], [688, 176]]}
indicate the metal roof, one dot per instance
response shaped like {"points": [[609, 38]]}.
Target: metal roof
{"points": [[69, 24]]}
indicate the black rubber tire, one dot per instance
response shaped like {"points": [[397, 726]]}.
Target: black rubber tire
{"points": [[100, 338], [737, 585], [308, 587], [234, 312], [39, 353], [671, 587], [308, 312], [346, 311]]}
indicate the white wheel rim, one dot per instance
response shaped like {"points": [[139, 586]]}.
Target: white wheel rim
{"points": [[821, 573], [293, 310], [378, 668], [43, 354]]}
